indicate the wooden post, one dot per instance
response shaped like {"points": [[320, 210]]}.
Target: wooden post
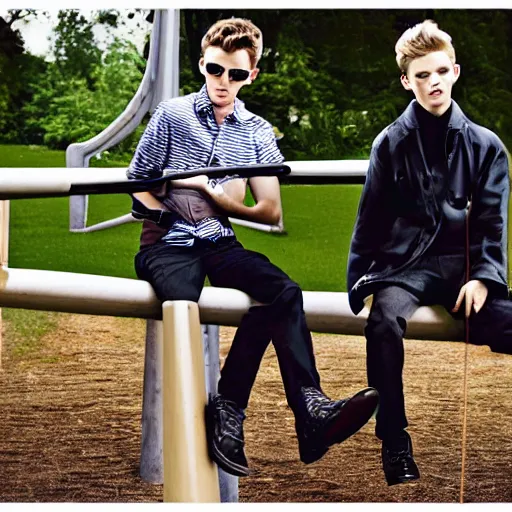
{"points": [[189, 474], [4, 251]]}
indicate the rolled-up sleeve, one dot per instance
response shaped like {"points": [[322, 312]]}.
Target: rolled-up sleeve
{"points": [[268, 151]]}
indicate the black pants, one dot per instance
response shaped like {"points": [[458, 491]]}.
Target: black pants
{"points": [[178, 273], [436, 280]]}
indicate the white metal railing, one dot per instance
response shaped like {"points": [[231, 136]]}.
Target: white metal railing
{"points": [[116, 296], [37, 182], [328, 168]]}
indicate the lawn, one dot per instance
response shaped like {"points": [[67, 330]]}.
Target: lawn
{"points": [[318, 221]]}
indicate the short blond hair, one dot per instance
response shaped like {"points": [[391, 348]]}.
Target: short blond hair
{"points": [[235, 34], [420, 40]]}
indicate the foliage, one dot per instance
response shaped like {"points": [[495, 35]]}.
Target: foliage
{"points": [[17, 69], [11, 42], [302, 102], [16, 90], [73, 97], [328, 81], [75, 48], [66, 110]]}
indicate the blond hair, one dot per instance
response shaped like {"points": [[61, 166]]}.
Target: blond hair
{"points": [[420, 40], [235, 34]]}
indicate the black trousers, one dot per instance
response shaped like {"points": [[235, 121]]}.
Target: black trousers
{"points": [[435, 280], [178, 273]]}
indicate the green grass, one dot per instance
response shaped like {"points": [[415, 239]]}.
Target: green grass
{"points": [[318, 221], [40, 239], [39, 228], [30, 156], [41, 156], [24, 331]]}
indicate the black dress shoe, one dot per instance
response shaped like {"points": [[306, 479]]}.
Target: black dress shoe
{"points": [[397, 460], [328, 422], [226, 435]]}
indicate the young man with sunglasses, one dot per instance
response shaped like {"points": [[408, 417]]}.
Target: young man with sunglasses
{"points": [[431, 229], [187, 235]]}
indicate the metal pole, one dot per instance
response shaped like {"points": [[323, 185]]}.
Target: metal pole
{"points": [[228, 483], [167, 79], [151, 457]]}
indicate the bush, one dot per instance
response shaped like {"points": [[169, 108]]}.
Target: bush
{"points": [[67, 110]]}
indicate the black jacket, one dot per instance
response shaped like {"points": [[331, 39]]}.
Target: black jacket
{"points": [[399, 216]]}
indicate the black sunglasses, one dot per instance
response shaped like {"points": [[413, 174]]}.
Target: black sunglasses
{"points": [[234, 74]]}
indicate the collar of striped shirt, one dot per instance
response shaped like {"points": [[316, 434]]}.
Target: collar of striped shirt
{"points": [[204, 106]]}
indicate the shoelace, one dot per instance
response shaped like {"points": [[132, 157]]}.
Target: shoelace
{"points": [[398, 456], [318, 405], [465, 380], [231, 417]]}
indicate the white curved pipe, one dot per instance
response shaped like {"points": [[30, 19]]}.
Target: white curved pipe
{"points": [[118, 221], [269, 228], [30, 181]]}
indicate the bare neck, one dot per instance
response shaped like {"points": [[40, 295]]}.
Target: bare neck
{"points": [[222, 112]]}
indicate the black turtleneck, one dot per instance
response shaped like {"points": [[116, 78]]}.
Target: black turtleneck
{"points": [[433, 132]]}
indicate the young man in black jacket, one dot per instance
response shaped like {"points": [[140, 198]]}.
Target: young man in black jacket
{"points": [[432, 174]]}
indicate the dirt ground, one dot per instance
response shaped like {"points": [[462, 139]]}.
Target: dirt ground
{"points": [[70, 423]]}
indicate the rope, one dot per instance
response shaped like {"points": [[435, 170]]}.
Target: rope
{"points": [[465, 412], [465, 381]]}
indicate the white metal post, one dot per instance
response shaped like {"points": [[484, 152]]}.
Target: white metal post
{"points": [[189, 474], [4, 251]]}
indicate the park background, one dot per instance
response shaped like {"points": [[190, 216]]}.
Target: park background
{"points": [[329, 84]]}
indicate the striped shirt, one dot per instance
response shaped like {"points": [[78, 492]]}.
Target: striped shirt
{"points": [[184, 135]]}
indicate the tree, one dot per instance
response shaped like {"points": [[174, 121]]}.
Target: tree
{"points": [[329, 81], [66, 110], [11, 42], [16, 69], [75, 48]]}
